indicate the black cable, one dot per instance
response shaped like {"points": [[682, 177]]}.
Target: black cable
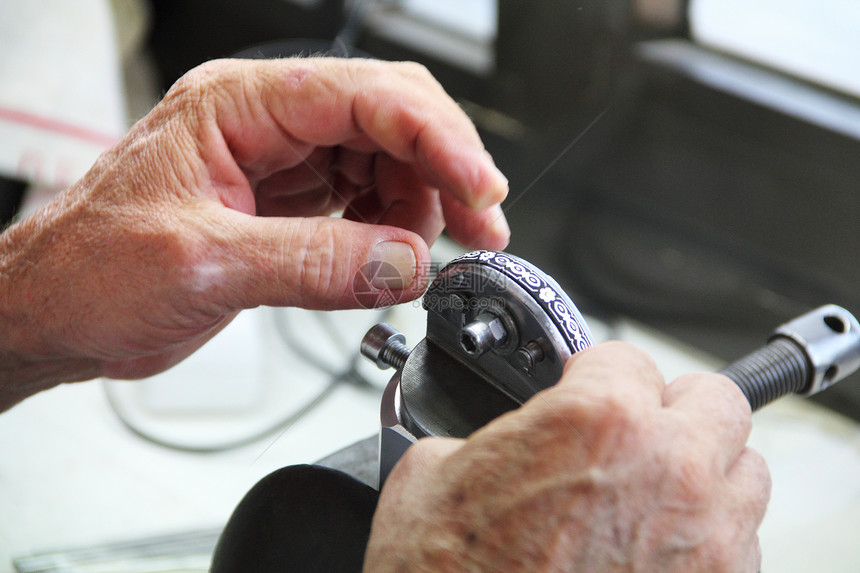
{"points": [[350, 375], [308, 356], [279, 426]]}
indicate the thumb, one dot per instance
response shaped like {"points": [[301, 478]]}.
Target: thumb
{"points": [[323, 263]]}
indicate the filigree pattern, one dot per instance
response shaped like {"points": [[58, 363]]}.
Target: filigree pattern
{"points": [[558, 306]]}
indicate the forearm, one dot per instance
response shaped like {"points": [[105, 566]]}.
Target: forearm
{"points": [[20, 378], [27, 363]]}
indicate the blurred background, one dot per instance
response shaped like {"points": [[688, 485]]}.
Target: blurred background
{"points": [[687, 170]]}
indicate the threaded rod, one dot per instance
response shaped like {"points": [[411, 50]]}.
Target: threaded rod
{"points": [[770, 372], [395, 354]]}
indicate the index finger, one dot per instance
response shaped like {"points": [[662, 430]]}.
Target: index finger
{"points": [[398, 107]]}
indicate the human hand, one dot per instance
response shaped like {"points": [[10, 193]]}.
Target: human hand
{"points": [[219, 199], [610, 470]]}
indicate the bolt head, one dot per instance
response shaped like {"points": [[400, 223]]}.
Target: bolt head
{"points": [[376, 340]]}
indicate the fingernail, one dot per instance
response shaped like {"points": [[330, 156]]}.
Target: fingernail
{"points": [[503, 181], [393, 264], [499, 187], [499, 226]]}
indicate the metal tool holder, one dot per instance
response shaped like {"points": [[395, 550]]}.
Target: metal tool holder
{"points": [[499, 330]]}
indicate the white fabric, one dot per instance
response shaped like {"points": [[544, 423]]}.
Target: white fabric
{"points": [[61, 99]]}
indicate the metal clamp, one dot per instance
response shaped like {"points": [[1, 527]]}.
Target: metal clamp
{"points": [[499, 330]]}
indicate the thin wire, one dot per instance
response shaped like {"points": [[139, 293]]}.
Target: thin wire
{"points": [[303, 354], [350, 374], [557, 158], [507, 207]]}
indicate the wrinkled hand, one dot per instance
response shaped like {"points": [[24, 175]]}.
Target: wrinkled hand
{"points": [[219, 199], [610, 470]]}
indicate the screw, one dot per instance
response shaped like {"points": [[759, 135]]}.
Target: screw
{"points": [[385, 346], [529, 355], [482, 334]]}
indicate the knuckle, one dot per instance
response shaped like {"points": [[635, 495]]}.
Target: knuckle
{"points": [[417, 458], [759, 475], [757, 461], [728, 550], [627, 349], [596, 419], [562, 407], [355, 69], [311, 251], [410, 459], [735, 404], [619, 414], [613, 353], [205, 83], [208, 70], [416, 71], [690, 480], [196, 79], [724, 399], [723, 555], [186, 256], [732, 395]]}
